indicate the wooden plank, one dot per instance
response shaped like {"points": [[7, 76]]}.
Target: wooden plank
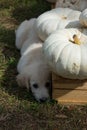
{"points": [[61, 79], [70, 97], [62, 83], [67, 91], [70, 86]]}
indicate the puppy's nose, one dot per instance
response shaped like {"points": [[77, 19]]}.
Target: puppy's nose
{"points": [[43, 99]]}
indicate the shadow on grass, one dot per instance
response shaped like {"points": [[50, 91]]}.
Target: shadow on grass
{"points": [[30, 10], [11, 55]]}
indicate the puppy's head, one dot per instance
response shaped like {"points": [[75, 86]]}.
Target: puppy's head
{"points": [[38, 79], [40, 83]]}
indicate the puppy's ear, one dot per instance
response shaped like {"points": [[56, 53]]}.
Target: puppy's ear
{"points": [[23, 80]]}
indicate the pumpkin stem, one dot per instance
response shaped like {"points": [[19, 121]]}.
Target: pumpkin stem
{"points": [[76, 39], [64, 17]]}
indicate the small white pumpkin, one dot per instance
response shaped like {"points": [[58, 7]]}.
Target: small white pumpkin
{"points": [[66, 53], [83, 18], [55, 19], [72, 4]]}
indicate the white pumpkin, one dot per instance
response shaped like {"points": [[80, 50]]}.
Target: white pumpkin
{"points": [[73, 4], [55, 19], [66, 53], [83, 18]]}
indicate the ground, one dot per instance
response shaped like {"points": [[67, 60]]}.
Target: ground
{"points": [[18, 109]]}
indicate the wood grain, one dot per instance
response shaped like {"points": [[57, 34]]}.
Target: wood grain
{"points": [[67, 91]]}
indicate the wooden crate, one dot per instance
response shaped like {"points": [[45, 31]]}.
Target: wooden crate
{"points": [[67, 91]]}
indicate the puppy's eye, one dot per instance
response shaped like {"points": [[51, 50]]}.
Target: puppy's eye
{"points": [[47, 84], [35, 85]]}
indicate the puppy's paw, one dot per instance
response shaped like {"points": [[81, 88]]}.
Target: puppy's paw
{"points": [[22, 80]]}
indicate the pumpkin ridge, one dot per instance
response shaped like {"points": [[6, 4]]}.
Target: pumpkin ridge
{"points": [[75, 66], [52, 50], [58, 55], [60, 63], [65, 48]]}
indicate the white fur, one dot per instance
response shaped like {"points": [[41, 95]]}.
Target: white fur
{"points": [[31, 67]]}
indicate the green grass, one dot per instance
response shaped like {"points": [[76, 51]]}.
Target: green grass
{"points": [[18, 109]]}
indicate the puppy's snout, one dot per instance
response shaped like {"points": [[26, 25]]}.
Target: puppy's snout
{"points": [[43, 99]]}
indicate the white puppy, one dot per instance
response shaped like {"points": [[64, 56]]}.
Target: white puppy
{"points": [[32, 69]]}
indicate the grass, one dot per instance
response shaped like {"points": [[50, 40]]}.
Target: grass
{"points": [[18, 109]]}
